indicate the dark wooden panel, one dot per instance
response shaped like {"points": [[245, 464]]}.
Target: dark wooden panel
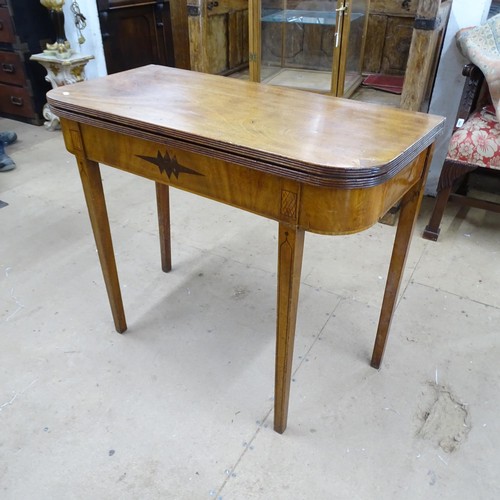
{"points": [[12, 68], [136, 35], [25, 28], [164, 33], [16, 101], [32, 24], [130, 39], [180, 33], [6, 28]]}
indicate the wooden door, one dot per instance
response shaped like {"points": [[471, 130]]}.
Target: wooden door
{"points": [[218, 33], [389, 33]]}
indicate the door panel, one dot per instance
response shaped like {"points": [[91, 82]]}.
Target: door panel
{"points": [[218, 31]]}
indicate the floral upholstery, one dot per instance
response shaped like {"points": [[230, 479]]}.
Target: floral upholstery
{"points": [[478, 140], [481, 46]]}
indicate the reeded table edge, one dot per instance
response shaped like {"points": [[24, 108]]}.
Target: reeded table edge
{"points": [[315, 175]]}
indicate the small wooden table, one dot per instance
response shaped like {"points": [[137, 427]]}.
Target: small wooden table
{"points": [[311, 162]]}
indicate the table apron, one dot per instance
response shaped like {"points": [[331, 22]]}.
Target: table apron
{"points": [[316, 209]]}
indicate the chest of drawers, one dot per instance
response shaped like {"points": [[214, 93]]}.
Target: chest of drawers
{"points": [[25, 28]]}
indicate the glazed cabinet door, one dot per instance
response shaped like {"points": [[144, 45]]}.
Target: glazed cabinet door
{"points": [[349, 46], [313, 45]]}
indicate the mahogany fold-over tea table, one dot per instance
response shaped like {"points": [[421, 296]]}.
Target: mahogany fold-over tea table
{"points": [[311, 162]]}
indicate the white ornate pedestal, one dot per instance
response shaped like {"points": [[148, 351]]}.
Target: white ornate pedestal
{"points": [[60, 72]]}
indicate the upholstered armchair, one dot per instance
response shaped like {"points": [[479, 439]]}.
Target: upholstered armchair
{"points": [[475, 143]]}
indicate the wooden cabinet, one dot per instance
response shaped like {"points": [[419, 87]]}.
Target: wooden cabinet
{"points": [[313, 45], [140, 32], [25, 28]]}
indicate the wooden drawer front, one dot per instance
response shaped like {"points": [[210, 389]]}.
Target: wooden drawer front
{"points": [[16, 101], [12, 69], [6, 28]]}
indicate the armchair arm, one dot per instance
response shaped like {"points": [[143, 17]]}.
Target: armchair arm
{"points": [[472, 93]]}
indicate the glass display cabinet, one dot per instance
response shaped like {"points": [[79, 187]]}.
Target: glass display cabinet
{"points": [[314, 45]]}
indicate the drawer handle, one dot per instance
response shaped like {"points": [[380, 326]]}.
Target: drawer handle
{"points": [[17, 101], [1, 25], [8, 68]]}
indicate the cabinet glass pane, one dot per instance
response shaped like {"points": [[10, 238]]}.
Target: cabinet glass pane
{"points": [[302, 40], [297, 43]]}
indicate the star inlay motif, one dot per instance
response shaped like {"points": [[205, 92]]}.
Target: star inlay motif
{"points": [[169, 165]]}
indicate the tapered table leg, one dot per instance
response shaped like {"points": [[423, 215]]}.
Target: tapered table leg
{"points": [[290, 250], [163, 203], [96, 204], [410, 206]]}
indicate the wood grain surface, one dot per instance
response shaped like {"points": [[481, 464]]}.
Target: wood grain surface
{"points": [[333, 141]]}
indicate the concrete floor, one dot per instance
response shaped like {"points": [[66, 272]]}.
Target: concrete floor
{"points": [[180, 406]]}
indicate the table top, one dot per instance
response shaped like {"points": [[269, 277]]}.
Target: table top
{"points": [[295, 133]]}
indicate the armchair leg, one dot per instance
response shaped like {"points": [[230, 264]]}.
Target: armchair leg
{"points": [[432, 229], [451, 174]]}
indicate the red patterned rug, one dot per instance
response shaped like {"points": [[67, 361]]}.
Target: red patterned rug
{"points": [[387, 83]]}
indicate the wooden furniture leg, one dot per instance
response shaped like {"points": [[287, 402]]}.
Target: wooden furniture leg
{"points": [[290, 250], [432, 229], [451, 174], [410, 205], [163, 203], [96, 204]]}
